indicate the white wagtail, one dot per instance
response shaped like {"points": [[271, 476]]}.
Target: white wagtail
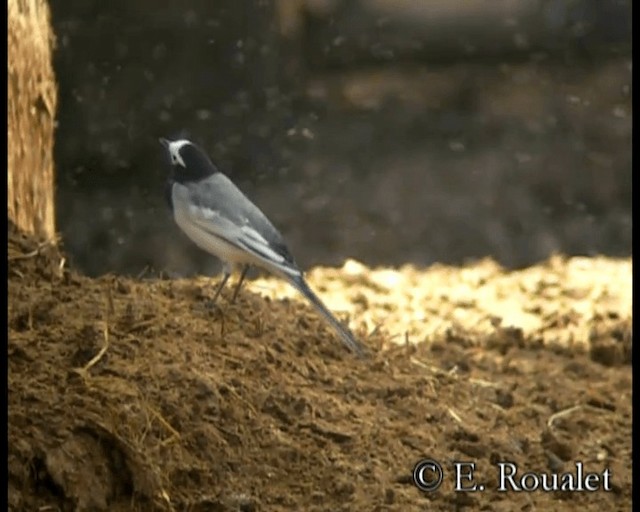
{"points": [[220, 219]]}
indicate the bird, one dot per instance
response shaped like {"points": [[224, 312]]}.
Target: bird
{"points": [[217, 216]]}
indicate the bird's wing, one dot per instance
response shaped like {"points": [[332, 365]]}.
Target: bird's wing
{"points": [[226, 213]]}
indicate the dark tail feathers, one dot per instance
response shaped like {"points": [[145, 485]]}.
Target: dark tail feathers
{"points": [[347, 338]]}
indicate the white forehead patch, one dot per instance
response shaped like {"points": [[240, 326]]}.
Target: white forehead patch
{"points": [[174, 151]]}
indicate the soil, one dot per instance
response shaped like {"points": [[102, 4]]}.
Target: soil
{"points": [[139, 394]]}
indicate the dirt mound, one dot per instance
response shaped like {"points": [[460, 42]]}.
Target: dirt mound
{"points": [[139, 395]]}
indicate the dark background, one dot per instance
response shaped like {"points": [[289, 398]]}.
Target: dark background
{"points": [[387, 131]]}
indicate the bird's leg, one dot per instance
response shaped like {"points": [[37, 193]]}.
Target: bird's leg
{"points": [[225, 276], [245, 268]]}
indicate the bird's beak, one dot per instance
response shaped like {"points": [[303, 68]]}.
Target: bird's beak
{"points": [[164, 142]]}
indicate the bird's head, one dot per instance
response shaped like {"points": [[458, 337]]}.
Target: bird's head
{"points": [[189, 161]]}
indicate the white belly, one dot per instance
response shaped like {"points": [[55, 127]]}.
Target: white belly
{"points": [[214, 245]]}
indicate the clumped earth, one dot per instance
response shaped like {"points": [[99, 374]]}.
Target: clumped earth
{"points": [[141, 395]]}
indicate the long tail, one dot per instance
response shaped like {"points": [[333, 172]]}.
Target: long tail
{"points": [[347, 338]]}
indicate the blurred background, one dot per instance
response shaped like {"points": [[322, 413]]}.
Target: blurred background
{"points": [[389, 131]]}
